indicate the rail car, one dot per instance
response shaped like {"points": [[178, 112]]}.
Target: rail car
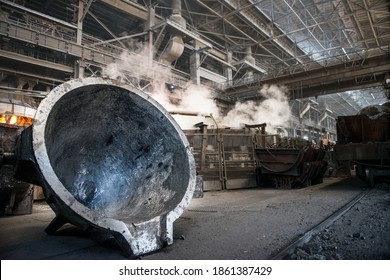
{"points": [[364, 141], [238, 158], [289, 163]]}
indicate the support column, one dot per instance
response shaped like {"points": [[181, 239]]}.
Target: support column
{"points": [[150, 23], [195, 64], [250, 59], [79, 69], [227, 71], [79, 16]]}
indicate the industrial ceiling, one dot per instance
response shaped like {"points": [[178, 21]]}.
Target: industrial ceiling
{"points": [[315, 47]]}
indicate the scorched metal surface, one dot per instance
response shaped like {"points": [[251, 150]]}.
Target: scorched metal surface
{"points": [[112, 158]]}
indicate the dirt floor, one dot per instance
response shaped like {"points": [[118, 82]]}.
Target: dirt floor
{"points": [[246, 224], [363, 233]]}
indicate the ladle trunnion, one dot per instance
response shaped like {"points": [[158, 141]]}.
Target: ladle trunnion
{"points": [[109, 157]]}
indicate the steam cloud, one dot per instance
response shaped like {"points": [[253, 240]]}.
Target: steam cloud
{"points": [[137, 65], [196, 99], [273, 110]]}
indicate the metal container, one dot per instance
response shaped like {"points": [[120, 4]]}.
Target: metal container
{"points": [[110, 157]]}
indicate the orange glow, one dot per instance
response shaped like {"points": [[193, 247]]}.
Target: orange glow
{"points": [[15, 120]]}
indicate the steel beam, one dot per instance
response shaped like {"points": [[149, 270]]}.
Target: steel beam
{"points": [[324, 80]]}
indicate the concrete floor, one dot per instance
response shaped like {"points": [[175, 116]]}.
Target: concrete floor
{"points": [[235, 224]]}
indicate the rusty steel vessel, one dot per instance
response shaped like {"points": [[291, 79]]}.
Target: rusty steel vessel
{"points": [[364, 141]]}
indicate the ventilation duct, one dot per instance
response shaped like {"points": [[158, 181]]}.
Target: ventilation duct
{"points": [[175, 46], [248, 55]]}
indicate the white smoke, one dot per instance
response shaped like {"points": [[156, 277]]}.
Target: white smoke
{"points": [[191, 99], [138, 65], [198, 100], [274, 110], [189, 105]]}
